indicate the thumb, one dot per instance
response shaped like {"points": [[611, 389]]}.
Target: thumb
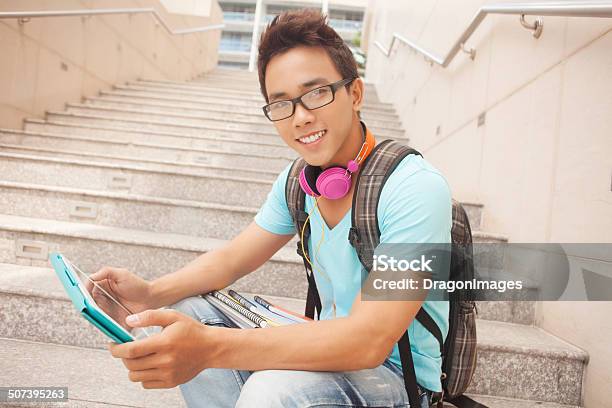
{"points": [[153, 318]]}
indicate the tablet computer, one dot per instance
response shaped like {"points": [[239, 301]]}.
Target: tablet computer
{"points": [[83, 301]]}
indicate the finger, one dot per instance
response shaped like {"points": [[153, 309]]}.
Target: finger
{"points": [[154, 318], [138, 348], [103, 288], [144, 363], [105, 273], [155, 384], [152, 374], [89, 286]]}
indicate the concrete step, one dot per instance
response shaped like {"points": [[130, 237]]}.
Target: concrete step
{"points": [[230, 131], [517, 312], [123, 210], [28, 363], [139, 180], [500, 402], [514, 361], [248, 125], [200, 86], [158, 156], [28, 241], [155, 165], [222, 98], [54, 363], [208, 112], [170, 118], [526, 362], [239, 143], [190, 102], [483, 237]]}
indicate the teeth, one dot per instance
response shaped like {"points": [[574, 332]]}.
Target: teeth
{"points": [[312, 138]]}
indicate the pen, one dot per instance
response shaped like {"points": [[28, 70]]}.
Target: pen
{"points": [[280, 311], [259, 308]]}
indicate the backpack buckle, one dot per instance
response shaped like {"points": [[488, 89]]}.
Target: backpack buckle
{"points": [[437, 398], [353, 237], [299, 249]]}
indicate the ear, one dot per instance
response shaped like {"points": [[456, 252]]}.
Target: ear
{"points": [[357, 89]]}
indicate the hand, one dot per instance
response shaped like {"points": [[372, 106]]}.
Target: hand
{"points": [[169, 358], [127, 288]]}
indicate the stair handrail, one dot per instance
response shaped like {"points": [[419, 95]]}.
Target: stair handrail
{"points": [[599, 9], [25, 16]]}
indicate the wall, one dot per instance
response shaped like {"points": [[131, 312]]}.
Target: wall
{"points": [[190, 7], [542, 162], [48, 62]]}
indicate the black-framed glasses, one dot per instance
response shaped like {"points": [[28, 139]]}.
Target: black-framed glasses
{"points": [[313, 99]]}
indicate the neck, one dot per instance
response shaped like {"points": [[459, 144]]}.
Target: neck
{"points": [[350, 148]]}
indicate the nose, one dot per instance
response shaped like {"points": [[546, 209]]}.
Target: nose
{"points": [[302, 116]]}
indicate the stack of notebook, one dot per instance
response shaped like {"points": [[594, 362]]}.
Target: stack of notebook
{"points": [[252, 311]]}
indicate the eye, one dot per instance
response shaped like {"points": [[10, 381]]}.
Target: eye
{"points": [[279, 105], [320, 91]]}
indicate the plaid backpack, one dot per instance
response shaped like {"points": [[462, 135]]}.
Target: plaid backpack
{"points": [[459, 349]]}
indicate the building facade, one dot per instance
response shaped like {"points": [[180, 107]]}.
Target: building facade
{"points": [[239, 16]]}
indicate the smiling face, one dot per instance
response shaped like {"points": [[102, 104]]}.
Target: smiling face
{"points": [[297, 71]]}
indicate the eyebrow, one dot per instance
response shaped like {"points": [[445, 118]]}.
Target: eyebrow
{"points": [[308, 84]]}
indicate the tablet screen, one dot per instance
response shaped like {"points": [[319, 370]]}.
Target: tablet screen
{"points": [[99, 296]]}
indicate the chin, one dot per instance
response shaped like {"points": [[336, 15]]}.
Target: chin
{"points": [[316, 159]]}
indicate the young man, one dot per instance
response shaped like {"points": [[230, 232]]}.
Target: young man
{"points": [[347, 358]]}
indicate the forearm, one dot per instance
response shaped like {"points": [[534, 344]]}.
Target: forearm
{"points": [[330, 345], [210, 271]]}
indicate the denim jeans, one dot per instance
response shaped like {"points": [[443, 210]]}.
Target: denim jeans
{"points": [[382, 386]]}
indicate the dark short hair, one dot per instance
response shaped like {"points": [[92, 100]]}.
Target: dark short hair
{"points": [[303, 27]]}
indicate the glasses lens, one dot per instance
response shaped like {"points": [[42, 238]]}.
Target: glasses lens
{"points": [[279, 110], [318, 97]]}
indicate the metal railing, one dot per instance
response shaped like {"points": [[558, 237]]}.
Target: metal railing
{"points": [[25, 16], [600, 9]]}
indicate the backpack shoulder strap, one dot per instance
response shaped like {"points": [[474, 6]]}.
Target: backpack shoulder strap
{"points": [[294, 194], [461, 232], [364, 234], [296, 204]]}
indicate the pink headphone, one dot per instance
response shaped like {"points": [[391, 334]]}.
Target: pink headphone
{"points": [[335, 182]]}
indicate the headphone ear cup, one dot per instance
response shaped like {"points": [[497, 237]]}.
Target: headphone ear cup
{"points": [[308, 180], [334, 183]]}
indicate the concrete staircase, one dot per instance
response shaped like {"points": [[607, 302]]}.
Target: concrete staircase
{"points": [[150, 175]]}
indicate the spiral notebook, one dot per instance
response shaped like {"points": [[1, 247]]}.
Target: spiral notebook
{"points": [[248, 312]]}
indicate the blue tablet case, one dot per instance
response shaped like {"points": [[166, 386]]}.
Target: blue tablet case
{"points": [[91, 312]]}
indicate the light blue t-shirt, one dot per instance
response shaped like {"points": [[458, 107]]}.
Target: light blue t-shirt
{"points": [[414, 207]]}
